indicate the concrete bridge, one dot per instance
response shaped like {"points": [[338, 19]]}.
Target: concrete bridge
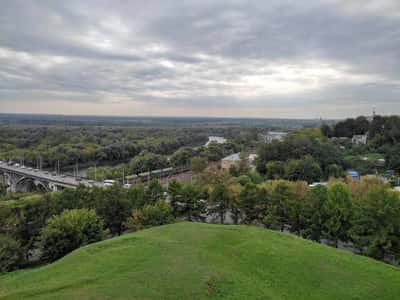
{"points": [[23, 179]]}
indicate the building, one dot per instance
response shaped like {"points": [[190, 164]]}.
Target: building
{"points": [[235, 159], [359, 139], [252, 160], [252, 157], [353, 174], [273, 136], [231, 160], [215, 139]]}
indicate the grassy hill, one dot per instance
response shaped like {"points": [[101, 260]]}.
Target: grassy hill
{"points": [[200, 261]]}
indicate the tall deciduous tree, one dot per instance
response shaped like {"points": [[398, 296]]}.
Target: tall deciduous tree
{"points": [[376, 228], [191, 204], [219, 200], [250, 203], [278, 210], [339, 213], [315, 212], [69, 231], [114, 208]]}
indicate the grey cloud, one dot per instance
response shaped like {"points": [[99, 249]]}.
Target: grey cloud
{"points": [[192, 55]]}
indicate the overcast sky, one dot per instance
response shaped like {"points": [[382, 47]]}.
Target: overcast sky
{"points": [[329, 58]]}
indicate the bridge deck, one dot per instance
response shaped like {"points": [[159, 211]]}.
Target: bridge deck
{"points": [[59, 179]]}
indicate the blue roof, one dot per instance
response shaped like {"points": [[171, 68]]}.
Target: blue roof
{"points": [[353, 173]]}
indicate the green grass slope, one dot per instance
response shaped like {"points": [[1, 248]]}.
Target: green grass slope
{"points": [[201, 261]]}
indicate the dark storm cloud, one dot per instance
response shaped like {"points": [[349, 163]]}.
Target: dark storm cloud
{"points": [[269, 57]]}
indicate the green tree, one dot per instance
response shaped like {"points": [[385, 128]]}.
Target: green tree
{"points": [[274, 170], [198, 164], [154, 192], [30, 218], [234, 191], [175, 195], [376, 224], [219, 200], [315, 213], [136, 195], [191, 204], [69, 231], [335, 171], [327, 130], [278, 210], [10, 254], [182, 157], [150, 215], [339, 213], [306, 169], [147, 161], [114, 208], [250, 203]]}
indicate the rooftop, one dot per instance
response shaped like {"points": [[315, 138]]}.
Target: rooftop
{"points": [[235, 156]]}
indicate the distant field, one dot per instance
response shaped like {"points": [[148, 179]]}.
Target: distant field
{"points": [[201, 261]]}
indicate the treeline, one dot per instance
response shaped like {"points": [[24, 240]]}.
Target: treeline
{"points": [[303, 156], [115, 149], [46, 146], [148, 161], [364, 214], [383, 136]]}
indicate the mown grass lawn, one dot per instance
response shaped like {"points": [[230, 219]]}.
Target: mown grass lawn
{"points": [[202, 261]]}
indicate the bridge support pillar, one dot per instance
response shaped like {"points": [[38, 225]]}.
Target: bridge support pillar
{"points": [[53, 187], [11, 182]]}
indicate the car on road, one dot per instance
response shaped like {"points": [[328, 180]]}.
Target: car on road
{"points": [[17, 165]]}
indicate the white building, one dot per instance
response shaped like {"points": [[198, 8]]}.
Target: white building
{"points": [[273, 136], [359, 139], [216, 139]]}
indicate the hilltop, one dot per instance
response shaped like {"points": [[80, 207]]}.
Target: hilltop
{"points": [[202, 261]]}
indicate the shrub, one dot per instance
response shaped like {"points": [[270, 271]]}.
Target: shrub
{"points": [[151, 215], [70, 230]]}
